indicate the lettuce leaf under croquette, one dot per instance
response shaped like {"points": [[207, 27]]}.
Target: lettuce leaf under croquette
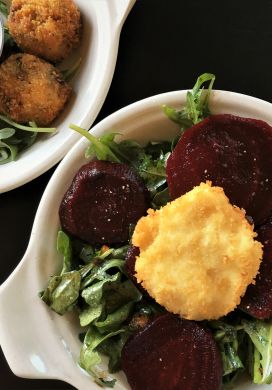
{"points": [[197, 254]]}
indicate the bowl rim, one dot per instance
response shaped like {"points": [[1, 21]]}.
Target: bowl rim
{"points": [[1, 35]]}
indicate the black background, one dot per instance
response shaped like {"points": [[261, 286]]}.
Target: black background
{"points": [[164, 46]]}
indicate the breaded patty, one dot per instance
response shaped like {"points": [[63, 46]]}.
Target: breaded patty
{"points": [[197, 254], [31, 89], [47, 28]]}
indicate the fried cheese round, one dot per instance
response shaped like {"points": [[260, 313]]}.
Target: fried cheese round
{"points": [[197, 254], [47, 28], [31, 89]]}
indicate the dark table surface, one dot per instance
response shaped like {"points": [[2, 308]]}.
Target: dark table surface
{"points": [[164, 46]]}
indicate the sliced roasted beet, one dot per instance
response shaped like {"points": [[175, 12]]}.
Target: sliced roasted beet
{"points": [[258, 298], [102, 201], [172, 354], [234, 153]]}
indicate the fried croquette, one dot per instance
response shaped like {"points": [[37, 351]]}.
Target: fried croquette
{"points": [[31, 89], [197, 254], [47, 28]]}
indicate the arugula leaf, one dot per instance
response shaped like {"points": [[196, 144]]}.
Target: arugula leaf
{"points": [[46, 295], [32, 128], [85, 270], [112, 347], [121, 294], [7, 152], [260, 334], [94, 293], [89, 357], [3, 9], [153, 172], [229, 340], [86, 253], [114, 320], [119, 253], [197, 104], [161, 198], [99, 271], [64, 247], [90, 314], [17, 138], [102, 151], [62, 292], [6, 132]]}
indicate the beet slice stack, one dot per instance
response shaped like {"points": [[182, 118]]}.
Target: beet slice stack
{"points": [[258, 298], [234, 153], [172, 354], [102, 201]]}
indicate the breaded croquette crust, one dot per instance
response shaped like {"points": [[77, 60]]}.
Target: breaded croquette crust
{"points": [[47, 28], [197, 254], [31, 89]]}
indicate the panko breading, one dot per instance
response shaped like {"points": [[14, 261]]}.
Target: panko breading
{"points": [[31, 89], [197, 254], [47, 28]]}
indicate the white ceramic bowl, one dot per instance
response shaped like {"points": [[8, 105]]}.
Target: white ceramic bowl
{"points": [[102, 23], [37, 342]]}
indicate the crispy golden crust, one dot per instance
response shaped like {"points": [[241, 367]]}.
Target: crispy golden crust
{"points": [[31, 89], [47, 28], [197, 254]]}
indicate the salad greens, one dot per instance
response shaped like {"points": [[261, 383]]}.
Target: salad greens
{"points": [[15, 137], [3, 9], [93, 281], [197, 104], [230, 340], [260, 349]]}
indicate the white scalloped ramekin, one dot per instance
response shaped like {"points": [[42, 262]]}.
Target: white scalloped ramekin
{"points": [[37, 342], [102, 23]]}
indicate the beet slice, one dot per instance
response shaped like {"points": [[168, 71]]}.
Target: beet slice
{"points": [[258, 298], [234, 153], [102, 201], [172, 354]]}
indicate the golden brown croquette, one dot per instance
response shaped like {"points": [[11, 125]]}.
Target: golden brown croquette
{"points": [[31, 89], [197, 254], [47, 28]]}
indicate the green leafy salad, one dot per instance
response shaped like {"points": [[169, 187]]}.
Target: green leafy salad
{"points": [[93, 282], [15, 137]]}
